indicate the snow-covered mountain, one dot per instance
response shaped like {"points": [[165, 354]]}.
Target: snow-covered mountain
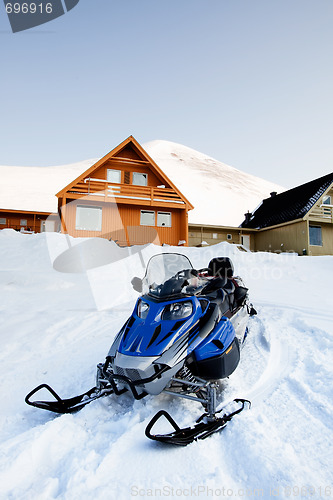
{"points": [[220, 194], [52, 331], [34, 188]]}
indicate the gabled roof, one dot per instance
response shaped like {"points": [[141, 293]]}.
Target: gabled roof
{"points": [[289, 205], [115, 154]]}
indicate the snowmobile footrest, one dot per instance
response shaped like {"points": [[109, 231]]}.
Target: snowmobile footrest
{"points": [[186, 435], [70, 405]]}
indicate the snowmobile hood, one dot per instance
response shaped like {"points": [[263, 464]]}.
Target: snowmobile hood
{"points": [[155, 325]]}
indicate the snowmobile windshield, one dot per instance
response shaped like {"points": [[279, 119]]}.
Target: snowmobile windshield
{"points": [[166, 274]]}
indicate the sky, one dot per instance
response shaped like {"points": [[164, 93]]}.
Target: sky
{"points": [[248, 82]]}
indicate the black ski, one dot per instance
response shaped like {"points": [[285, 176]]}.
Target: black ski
{"points": [[70, 405], [186, 435]]}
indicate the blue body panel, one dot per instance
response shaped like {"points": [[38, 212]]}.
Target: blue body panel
{"points": [[223, 335], [153, 335]]}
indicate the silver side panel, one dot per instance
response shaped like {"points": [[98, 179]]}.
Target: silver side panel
{"points": [[141, 367]]}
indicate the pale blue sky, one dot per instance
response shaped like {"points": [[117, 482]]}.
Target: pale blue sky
{"points": [[248, 82]]}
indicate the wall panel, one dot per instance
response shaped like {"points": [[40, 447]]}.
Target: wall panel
{"points": [[121, 223]]}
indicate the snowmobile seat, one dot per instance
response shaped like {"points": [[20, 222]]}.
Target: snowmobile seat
{"points": [[230, 289], [214, 284], [221, 267], [226, 286], [219, 297]]}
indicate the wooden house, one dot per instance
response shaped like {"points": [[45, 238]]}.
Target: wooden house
{"points": [[298, 220], [125, 197], [26, 221]]}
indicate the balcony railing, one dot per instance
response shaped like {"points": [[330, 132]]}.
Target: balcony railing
{"points": [[323, 212], [149, 194]]}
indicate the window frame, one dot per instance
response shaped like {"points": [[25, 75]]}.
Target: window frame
{"points": [[113, 170], [94, 207], [321, 237], [148, 212], [139, 173], [164, 213], [326, 198]]}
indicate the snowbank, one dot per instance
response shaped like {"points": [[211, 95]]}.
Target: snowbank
{"points": [[55, 328]]}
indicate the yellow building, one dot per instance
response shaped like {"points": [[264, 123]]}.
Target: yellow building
{"points": [[298, 220]]}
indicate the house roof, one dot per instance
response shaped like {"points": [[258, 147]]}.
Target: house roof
{"points": [[115, 154], [289, 205]]}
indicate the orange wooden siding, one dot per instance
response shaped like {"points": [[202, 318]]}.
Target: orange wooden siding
{"points": [[121, 223]]}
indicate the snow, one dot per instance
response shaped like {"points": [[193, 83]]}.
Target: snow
{"points": [[56, 327], [34, 188], [221, 194], [199, 177]]}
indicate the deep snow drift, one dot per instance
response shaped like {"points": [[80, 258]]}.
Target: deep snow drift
{"points": [[55, 327]]}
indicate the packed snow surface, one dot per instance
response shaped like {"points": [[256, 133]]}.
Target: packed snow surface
{"points": [[220, 194], [56, 326]]}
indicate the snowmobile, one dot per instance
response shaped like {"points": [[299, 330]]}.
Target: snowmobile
{"points": [[185, 333]]}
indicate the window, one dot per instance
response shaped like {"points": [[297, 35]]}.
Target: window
{"points": [[139, 179], [113, 176], [215, 236], [147, 218], [315, 236], [23, 222], [229, 236], [164, 219], [3, 220], [327, 200], [88, 218]]}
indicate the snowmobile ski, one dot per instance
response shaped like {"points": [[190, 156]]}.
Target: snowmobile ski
{"points": [[186, 435], [70, 405]]}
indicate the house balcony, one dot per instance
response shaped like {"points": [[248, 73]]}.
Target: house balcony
{"points": [[323, 213], [102, 190]]}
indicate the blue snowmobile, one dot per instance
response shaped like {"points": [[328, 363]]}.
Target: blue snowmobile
{"points": [[185, 333]]}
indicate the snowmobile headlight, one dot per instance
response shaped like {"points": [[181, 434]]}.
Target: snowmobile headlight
{"points": [[143, 309], [178, 310]]}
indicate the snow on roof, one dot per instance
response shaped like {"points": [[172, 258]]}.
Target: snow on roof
{"points": [[220, 194]]}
